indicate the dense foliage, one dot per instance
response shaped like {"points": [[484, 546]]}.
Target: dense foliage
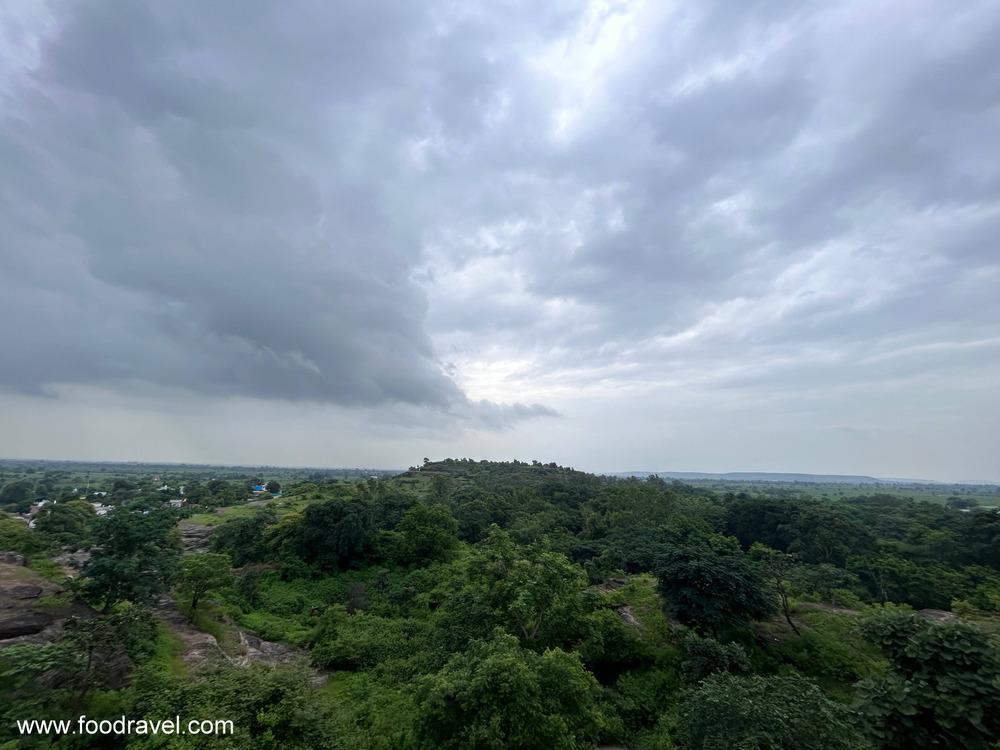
{"points": [[470, 604]]}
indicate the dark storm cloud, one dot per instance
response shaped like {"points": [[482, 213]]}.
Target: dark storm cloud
{"points": [[215, 197]]}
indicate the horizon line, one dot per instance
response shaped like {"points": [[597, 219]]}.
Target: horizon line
{"points": [[706, 475]]}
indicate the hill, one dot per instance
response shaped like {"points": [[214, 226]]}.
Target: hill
{"points": [[764, 476]]}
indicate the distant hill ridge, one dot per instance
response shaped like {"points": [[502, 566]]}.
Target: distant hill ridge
{"points": [[763, 476]]}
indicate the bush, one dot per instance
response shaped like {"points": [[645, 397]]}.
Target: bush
{"points": [[702, 657], [640, 697], [778, 713], [612, 647], [942, 690], [499, 695], [15, 536], [360, 641]]}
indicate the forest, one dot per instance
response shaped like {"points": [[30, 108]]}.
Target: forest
{"points": [[490, 605]]}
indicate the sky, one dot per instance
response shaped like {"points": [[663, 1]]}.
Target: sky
{"points": [[703, 236]]}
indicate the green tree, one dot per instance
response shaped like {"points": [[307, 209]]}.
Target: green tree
{"points": [[15, 536], [362, 641], [776, 567], [69, 522], [440, 488], [824, 581], [97, 643], [55, 678], [713, 587], [335, 533], [473, 516], [763, 713], [531, 592], [200, 574], [499, 696], [611, 647], [134, 559], [701, 657], [429, 533], [893, 578], [16, 496], [943, 689], [244, 539]]}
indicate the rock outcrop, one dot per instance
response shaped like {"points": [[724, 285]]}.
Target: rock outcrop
{"points": [[32, 608], [194, 537]]}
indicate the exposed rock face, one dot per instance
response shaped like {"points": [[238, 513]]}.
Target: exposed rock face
{"points": [[258, 651], [23, 591], [199, 648], [628, 616], [13, 625], [72, 562], [195, 537], [202, 649], [612, 584], [11, 558], [31, 610]]}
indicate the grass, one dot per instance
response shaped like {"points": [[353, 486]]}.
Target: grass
{"points": [[47, 568], [209, 619], [830, 649], [167, 650], [223, 514], [282, 611], [277, 628], [281, 507], [54, 603], [288, 611], [338, 685], [641, 597]]}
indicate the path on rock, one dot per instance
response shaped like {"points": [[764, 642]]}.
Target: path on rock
{"points": [[195, 537], [201, 648]]}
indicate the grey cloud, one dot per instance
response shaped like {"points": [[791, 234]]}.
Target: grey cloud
{"points": [[843, 132], [213, 197]]}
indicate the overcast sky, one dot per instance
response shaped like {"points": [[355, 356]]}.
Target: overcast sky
{"points": [[704, 236]]}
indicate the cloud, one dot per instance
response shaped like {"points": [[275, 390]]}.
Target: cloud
{"points": [[749, 179], [215, 198], [448, 213]]}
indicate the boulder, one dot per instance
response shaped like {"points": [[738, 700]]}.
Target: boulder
{"points": [[23, 591], [23, 623]]}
